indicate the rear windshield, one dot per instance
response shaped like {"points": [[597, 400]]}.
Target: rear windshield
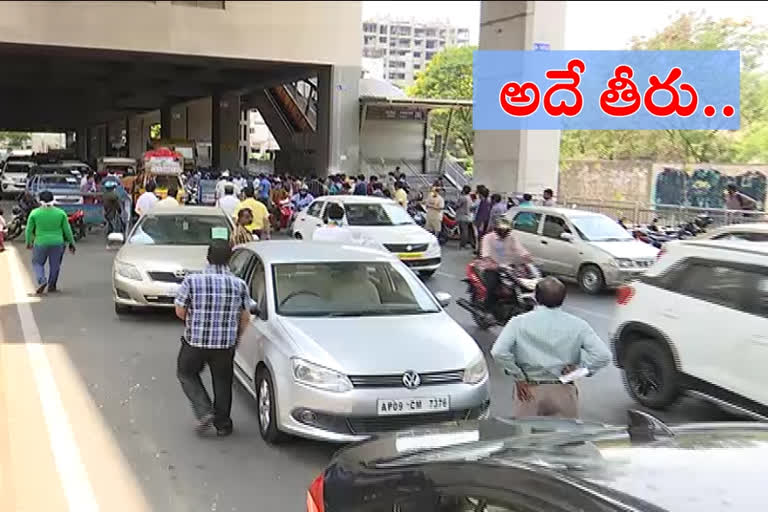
{"points": [[60, 181], [17, 167]]}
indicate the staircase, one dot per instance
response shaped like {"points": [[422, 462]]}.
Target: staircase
{"points": [[298, 101]]}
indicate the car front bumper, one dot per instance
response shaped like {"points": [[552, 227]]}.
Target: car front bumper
{"points": [[615, 277], [144, 293], [352, 416], [10, 187]]}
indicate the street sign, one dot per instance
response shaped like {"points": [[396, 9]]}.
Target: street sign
{"points": [[541, 47]]}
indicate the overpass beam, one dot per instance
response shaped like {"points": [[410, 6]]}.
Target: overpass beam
{"points": [[525, 160]]}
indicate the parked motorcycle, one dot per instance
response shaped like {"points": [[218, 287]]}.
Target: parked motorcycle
{"points": [[17, 224], [77, 224], [450, 226], [418, 212], [515, 294]]}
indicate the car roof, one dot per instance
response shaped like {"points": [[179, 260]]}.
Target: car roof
{"points": [[736, 248], [57, 176], [685, 468], [301, 251], [754, 227], [20, 162], [187, 210], [554, 210], [356, 199]]}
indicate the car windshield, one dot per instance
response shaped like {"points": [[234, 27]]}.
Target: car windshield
{"points": [[59, 181], [17, 167], [376, 214], [599, 228], [349, 289], [122, 170], [165, 181], [180, 229], [72, 171]]}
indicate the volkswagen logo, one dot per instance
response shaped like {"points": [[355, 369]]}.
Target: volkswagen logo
{"points": [[411, 379], [408, 247], [181, 274]]}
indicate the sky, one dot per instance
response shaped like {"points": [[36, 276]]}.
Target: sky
{"points": [[588, 25]]}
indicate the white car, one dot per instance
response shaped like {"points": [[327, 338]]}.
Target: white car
{"points": [[345, 342], [14, 176], [589, 247], [378, 219], [749, 232], [697, 322]]}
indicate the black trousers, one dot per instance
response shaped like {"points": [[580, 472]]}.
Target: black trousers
{"points": [[466, 234], [190, 364], [492, 287]]}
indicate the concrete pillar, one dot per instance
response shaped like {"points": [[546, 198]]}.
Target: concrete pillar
{"points": [[69, 139], [519, 161], [165, 122], [225, 130], [178, 122], [135, 138], [338, 120], [107, 140], [81, 141]]}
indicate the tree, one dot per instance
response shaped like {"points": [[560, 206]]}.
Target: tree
{"points": [[18, 140], [449, 76], [692, 31]]}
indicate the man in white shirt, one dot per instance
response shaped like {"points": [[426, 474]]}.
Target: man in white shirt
{"points": [[229, 202], [147, 200], [226, 180], [335, 232], [170, 199]]}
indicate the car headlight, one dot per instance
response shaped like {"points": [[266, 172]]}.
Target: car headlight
{"points": [[127, 271], [319, 377], [476, 371], [624, 263], [434, 245]]}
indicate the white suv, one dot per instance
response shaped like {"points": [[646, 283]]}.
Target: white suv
{"points": [[697, 322]]}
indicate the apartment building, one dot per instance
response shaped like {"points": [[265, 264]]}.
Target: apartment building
{"points": [[405, 46]]}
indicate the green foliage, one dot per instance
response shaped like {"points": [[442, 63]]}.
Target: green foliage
{"points": [[154, 131], [15, 140], [693, 31], [449, 76]]}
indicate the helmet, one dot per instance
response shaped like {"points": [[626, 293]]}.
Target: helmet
{"points": [[110, 184]]}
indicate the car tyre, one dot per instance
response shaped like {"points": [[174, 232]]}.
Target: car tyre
{"points": [[650, 375], [122, 309], [426, 274], [267, 410], [591, 279]]}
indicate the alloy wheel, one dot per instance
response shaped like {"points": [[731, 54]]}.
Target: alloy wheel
{"points": [[265, 405]]}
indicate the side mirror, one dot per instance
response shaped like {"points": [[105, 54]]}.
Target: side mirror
{"points": [[568, 237], [115, 238], [443, 298], [254, 308]]}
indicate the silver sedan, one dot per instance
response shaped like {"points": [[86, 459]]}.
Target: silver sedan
{"points": [[346, 341]]}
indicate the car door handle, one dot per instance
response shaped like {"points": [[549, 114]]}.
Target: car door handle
{"points": [[318, 225], [670, 314], [544, 242]]}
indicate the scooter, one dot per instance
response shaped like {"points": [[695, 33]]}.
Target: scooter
{"points": [[77, 224], [286, 213], [418, 212], [17, 224], [450, 226], [514, 296]]}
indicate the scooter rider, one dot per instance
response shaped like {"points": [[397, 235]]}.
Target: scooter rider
{"points": [[500, 248]]}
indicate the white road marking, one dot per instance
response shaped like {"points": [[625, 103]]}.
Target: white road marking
{"points": [[446, 274], [69, 464], [589, 312]]}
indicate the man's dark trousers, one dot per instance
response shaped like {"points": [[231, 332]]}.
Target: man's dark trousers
{"points": [[189, 365]]}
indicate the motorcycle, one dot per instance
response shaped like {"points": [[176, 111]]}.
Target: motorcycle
{"points": [[286, 214], [77, 224], [515, 294], [418, 212], [450, 226], [17, 224]]}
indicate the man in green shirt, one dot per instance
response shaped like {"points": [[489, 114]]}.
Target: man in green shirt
{"points": [[47, 232]]}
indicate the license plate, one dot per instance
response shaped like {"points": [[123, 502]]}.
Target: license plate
{"points": [[413, 405], [411, 255]]}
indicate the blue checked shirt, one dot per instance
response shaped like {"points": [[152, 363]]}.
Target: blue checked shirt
{"points": [[214, 300]]}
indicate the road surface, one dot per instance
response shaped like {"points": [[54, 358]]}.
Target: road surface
{"points": [[90, 404]]}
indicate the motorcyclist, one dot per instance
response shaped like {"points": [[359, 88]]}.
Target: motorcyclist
{"points": [[302, 199], [112, 207], [500, 248], [27, 203]]}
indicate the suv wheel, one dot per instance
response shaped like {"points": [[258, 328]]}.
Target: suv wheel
{"points": [[650, 374], [591, 279], [265, 401]]}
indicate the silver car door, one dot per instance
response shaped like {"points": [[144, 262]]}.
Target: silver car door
{"points": [[241, 264], [526, 226], [559, 256]]}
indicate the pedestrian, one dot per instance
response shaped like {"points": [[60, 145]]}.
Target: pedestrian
{"points": [[378, 190], [548, 197], [48, 232], [241, 235], [463, 216], [498, 209], [483, 214], [372, 182], [361, 186], [2, 230], [538, 347], [170, 198], [389, 183], [229, 202], [401, 196], [315, 186], [147, 200], [265, 187], [334, 230], [214, 307], [302, 199], [435, 205], [111, 203], [259, 225], [527, 200]]}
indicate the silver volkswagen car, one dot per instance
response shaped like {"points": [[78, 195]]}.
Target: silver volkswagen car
{"points": [[346, 341], [164, 246]]}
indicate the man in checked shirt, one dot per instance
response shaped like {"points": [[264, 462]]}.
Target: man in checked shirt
{"points": [[214, 308]]}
